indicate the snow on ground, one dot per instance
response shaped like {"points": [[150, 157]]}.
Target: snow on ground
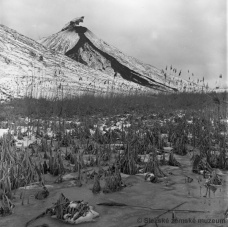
{"points": [[25, 142], [3, 131]]}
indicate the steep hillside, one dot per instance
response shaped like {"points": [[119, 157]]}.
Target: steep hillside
{"points": [[80, 44], [29, 68]]}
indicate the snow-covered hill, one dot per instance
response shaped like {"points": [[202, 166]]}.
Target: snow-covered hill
{"points": [[71, 62], [29, 68], [80, 44]]}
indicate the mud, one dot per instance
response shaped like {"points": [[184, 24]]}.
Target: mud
{"points": [[172, 191]]}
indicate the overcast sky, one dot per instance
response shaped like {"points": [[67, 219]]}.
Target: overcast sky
{"points": [[187, 34]]}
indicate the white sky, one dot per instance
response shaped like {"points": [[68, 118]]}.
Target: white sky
{"points": [[187, 34]]}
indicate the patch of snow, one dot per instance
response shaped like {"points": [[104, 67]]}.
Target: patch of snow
{"points": [[3, 131]]}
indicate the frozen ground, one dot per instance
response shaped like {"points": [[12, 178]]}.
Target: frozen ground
{"points": [[165, 195]]}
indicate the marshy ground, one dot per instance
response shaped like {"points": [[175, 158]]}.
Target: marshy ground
{"points": [[139, 137], [172, 191]]}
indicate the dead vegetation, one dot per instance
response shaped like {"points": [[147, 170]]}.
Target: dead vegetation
{"points": [[131, 144]]}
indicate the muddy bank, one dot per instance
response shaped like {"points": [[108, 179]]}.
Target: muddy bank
{"points": [[172, 191]]}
